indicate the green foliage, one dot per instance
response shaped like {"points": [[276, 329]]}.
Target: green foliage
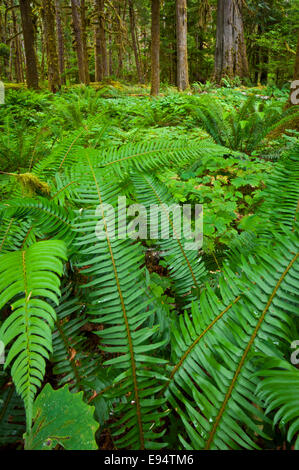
{"points": [[279, 391], [61, 418], [173, 348], [28, 277], [243, 129]]}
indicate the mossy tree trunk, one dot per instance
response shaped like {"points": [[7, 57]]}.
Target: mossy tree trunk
{"points": [[155, 48], [29, 40], [135, 40], [84, 43], [182, 46], [48, 15], [101, 58], [230, 56], [60, 41], [77, 27]]}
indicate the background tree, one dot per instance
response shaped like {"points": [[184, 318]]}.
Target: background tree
{"points": [[155, 48], [48, 15], [29, 44], [182, 47], [60, 40], [230, 55], [101, 59], [78, 35]]}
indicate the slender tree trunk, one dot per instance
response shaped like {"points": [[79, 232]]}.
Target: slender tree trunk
{"points": [[60, 41], [48, 15], [110, 53], [182, 46], [101, 59], [77, 27], [155, 48], [134, 39], [84, 43], [29, 35], [230, 55], [17, 48]]}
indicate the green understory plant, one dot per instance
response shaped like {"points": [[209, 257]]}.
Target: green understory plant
{"points": [[145, 340]]}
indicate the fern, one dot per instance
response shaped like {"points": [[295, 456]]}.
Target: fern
{"points": [[281, 196], [154, 155], [12, 415], [116, 285], [28, 277], [185, 267], [213, 385], [279, 390], [71, 359], [44, 217], [244, 129]]}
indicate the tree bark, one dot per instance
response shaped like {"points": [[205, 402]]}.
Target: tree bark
{"points": [[60, 42], [77, 27], [182, 46], [230, 55], [84, 43], [18, 51], [134, 40], [155, 48], [29, 35], [48, 15], [101, 58]]}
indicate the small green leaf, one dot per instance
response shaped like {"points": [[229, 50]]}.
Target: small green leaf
{"points": [[61, 417]]}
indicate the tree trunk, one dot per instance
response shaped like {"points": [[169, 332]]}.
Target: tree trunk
{"points": [[155, 48], [60, 41], [101, 59], [134, 40], [182, 46], [29, 35], [18, 51], [84, 43], [230, 55], [77, 27], [48, 15]]}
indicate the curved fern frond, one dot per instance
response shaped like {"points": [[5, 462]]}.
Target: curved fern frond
{"points": [[27, 278], [154, 155], [72, 362], [116, 284], [185, 265], [281, 196], [14, 235], [213, 386], [279, 390], [12, 413], [63, 154], [44, 215]]}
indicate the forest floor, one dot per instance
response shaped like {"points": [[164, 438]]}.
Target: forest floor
{"points": [[243, 132]]}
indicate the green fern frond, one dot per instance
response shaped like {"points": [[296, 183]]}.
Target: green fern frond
{"points": [[149, 156], [12, 413], [116, 284], [213, 386], [14, 234], [185, 265], [71, 359], [27, 278], [45, 216], [281, 196], [279, 390]]}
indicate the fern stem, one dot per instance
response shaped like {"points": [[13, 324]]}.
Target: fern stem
{"points": [[244, 356]]}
